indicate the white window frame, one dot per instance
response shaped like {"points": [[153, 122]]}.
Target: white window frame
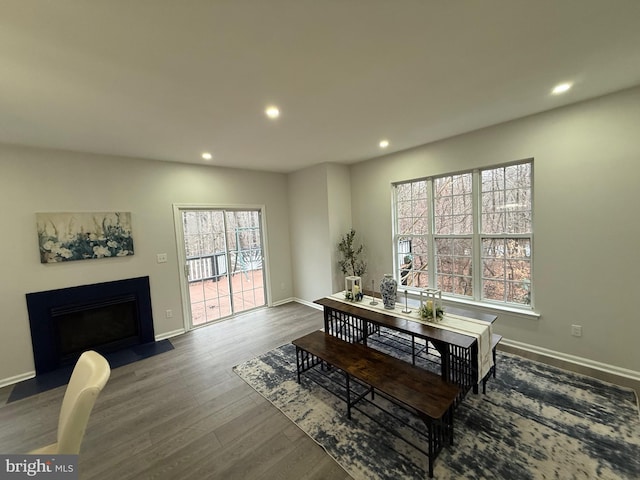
{"points": [[477, 236]]}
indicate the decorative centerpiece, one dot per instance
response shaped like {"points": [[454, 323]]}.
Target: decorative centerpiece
{"points": [[351, 260], [352, 264], [431, 308], [353, 288], [388, 291]]}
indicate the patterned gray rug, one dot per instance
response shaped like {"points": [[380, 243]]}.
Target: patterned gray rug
{"points": [[535, 422]]}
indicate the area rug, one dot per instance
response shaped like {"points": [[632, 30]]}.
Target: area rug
{"points": [[535, 422]]}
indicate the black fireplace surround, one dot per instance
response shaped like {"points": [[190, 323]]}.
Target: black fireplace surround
{"points": [[105, 317]]}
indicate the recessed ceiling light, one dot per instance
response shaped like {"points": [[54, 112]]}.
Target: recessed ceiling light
{"points": [[207, 156], [384, 143], [561, 88], [272, 112]]}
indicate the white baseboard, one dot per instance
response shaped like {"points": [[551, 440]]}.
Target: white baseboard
{"points": [[308, 304], [173, 333], [5, 382], [580, 361], [282, 302]]}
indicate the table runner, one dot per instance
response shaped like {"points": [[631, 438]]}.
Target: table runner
{"points": [[472, 327]]}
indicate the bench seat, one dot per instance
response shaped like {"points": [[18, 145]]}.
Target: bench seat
{"points": [[424, 393]]}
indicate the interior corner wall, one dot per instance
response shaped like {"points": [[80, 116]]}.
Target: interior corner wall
{"points": [[320, 213], [36, 180], [309, 224], [339, 210], [586, 228]]}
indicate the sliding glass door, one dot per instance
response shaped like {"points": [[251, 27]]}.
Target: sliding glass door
{"points": [[222, 261]]}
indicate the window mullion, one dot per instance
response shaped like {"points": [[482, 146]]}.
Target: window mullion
{"points": [[394, 228], [431, 254], [476, 256]]}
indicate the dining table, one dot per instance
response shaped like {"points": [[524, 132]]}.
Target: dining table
{"points": [[458, 346]]}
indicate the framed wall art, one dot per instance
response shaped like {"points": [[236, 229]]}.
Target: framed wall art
{"points": [[64, 237]]}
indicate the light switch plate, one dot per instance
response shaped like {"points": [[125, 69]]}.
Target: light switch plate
{"points": [[162, 258]]}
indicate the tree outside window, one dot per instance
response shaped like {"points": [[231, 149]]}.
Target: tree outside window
{"points": [[468, 234]]}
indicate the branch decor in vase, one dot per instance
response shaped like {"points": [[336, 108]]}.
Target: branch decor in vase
{"points": [[352, 265], [352, 261]]}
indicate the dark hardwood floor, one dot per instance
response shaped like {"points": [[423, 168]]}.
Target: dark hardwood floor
{"points": [[184, 414]]}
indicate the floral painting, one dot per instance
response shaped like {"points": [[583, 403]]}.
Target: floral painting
{"points": [[65, 237]]}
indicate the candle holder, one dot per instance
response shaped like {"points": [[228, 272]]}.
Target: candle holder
{"points": [[406, 306], [431, 309], [353, 288], [373, 293]]}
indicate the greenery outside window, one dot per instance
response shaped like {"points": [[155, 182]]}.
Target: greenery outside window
{"points": [[469, 234]]}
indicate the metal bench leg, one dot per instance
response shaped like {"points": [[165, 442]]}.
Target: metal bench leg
{"points": [[432, 449], [450, 424], [346, 375]]}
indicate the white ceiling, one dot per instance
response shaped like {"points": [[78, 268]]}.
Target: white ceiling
{"points": [[169, 79]]}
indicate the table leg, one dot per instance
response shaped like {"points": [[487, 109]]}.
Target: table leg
{"points": [[365, 332], [445, 363], [413, 349], [326, 321], [475, 368]]}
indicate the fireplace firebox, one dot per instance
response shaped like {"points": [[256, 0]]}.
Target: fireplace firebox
{"points": [[105, 317]]}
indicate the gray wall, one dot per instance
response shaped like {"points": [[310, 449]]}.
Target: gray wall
{"points": [[320, 212], [339, 201], [587, 166], [34, 180], [586, 174], [310, 248]]}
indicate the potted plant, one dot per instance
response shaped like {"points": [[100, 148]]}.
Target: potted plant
{"points": [[352, 262], [352, 265]]}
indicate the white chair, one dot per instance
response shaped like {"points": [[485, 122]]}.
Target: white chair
{"points": [[89, 377]]}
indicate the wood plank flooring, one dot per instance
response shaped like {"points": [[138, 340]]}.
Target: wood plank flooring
{"points": [[184, 414]]}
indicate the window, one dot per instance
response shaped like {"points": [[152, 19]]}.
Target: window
{"points": [[447, 225]]}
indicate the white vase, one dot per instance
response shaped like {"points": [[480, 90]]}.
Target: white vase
{"points": [[388, 291]]}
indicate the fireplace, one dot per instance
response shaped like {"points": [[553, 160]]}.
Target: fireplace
{"points": [[105, 317]]}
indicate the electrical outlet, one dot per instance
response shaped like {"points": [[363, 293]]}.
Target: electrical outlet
{"points": [[576, 330], [169, 313], [161, 257]]}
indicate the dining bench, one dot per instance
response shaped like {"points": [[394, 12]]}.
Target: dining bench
{"points": [[417, 390]]}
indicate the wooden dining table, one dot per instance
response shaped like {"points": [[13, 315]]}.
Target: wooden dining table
{"points": [[457, 353]]}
